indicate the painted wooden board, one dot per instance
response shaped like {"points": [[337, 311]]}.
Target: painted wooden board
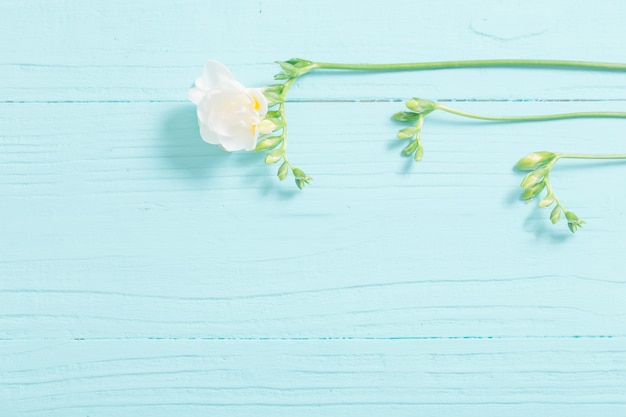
{"points": [[145, 273], [308, 377]]}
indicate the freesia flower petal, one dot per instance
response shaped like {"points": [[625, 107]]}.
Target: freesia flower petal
{"points": [[204, 109], [232, 114], [215, 75], [237, 143], [196, 95], [208, 135]]}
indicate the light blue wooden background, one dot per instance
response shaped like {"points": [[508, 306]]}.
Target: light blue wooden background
{"points": [[145, 273]]}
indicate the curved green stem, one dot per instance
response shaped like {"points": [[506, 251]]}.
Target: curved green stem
{"points": [[283, 116], [474, 63], [575, 115], [549, 190]]}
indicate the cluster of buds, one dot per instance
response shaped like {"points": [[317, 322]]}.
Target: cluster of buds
{"points": [[538, 179], [419, 109]]}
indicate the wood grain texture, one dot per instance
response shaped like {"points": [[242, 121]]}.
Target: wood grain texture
{"points": [[313, 377], [96, 51], [145, 273]]}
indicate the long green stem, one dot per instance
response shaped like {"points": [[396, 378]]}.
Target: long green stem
{"points": [[535, 118], [475, 63], [590, 156]]}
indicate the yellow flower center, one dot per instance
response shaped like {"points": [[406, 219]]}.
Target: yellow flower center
{"points": [[257, 104]]}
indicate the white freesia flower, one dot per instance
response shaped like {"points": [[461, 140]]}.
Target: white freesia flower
{"points": [[229, 114]]}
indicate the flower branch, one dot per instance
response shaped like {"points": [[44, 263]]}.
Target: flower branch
{"points": [[539, 165], [420, 108], [276, 141]]}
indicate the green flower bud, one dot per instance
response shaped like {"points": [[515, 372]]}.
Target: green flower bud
{"points": [[299, 62], [534, 177], [269, 143], [555, 215], [547, 200], [406, 116], [419, 154], [408, 132], [268, 126], [274, 156], [532, 191], [283, 171], [275, 114], [281, 76], [571, 217], [410, 148], [298, 173], [275, 89], [272, 98], [573, 227], [288, 68], [295, 67], [535, 160], [420, 105], [573, 222], [302, 181]]}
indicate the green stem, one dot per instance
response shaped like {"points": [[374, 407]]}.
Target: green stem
{"points": [[549, 191], [475, 63], [283, 116], [536, 118], [590, 156]]}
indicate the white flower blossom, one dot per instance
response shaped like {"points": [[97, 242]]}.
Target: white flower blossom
{"points": [[229, 114]]}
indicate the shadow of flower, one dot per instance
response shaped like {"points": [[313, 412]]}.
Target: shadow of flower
{"points": [[199, 163], [185, 150]]}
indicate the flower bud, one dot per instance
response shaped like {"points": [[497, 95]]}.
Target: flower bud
{"points": [[275, 89], [301, 181], [272, 98], [571, 217], [420, 105], [295, 67], [573, 222], [410, 148], [274, 156], [288, 68], [407, 132], [533, 177], [419, 154], [268, 126], [269, 143], [535, 160], [547, 200], [283, 171], [555, 215], [281, 76], [298, 173], [406, 116], [531, 192]]}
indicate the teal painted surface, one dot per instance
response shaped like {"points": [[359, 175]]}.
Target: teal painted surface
{"points": [[145, 273]]}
